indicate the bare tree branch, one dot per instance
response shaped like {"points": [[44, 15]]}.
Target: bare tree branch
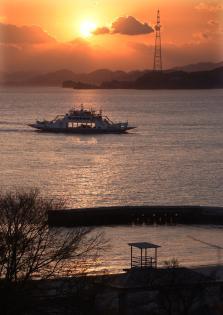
{"points": [[29, 247]]}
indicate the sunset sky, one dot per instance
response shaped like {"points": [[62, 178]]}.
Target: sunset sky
{"points": [[84, 35]]}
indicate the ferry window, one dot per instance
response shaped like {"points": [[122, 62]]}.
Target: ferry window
{"points": [[73, 124]]}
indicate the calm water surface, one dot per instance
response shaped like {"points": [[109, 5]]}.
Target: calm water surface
{"points": [[180, 242], [175, 156]]}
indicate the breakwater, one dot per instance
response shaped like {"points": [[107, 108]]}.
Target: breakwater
{"points": [[117, 215]]}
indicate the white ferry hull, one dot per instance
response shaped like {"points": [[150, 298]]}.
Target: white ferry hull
{"points": [[80, 130], [81, 121]]}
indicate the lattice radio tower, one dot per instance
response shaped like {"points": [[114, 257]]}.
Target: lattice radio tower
{"points": [[157, 65]]}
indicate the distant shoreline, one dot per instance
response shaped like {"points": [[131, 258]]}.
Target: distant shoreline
{"points": [[106, 89], [160, 80], [190, 77]]}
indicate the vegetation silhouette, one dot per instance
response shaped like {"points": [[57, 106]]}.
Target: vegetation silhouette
{"points": [[29, 249]]}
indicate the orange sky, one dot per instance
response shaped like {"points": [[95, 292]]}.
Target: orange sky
{"points": [[192, 32]]}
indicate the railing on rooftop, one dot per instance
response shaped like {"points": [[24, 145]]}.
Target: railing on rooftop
{"points": [[144, 262]]}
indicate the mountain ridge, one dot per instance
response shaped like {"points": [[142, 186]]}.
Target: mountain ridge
{"points": [[212, 79], [96, 77]]}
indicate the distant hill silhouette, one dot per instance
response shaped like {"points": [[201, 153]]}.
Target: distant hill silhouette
{"points": [[201, 66], [17, 78], [57, 77], [172, 80], [94, 78]]}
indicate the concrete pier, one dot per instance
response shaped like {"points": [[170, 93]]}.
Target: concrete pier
{"points": [[118, 215]]}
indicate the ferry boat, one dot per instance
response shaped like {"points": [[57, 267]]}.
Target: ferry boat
{"points": [[82, 121]]}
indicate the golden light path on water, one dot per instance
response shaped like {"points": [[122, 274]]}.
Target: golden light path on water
{"points": [[99, 176], [174, 157]]}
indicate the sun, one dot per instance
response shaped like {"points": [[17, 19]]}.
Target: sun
{"points": [[86, 28]]}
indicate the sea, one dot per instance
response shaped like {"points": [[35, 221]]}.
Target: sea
{"points": [[173, 157]]}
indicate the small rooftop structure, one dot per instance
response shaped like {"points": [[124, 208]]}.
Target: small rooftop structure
{"points": [[144, 245], [144, 260]]}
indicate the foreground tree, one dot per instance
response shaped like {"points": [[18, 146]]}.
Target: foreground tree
{"points": [[29, 247]]}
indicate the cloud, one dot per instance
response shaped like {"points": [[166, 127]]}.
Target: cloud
{"points": [[130, 26], [178, 55], [82, 55], [125, 25], [201, 36], [53, 57], [213, 23], [208, 6], [101, 30], [12, 34], [212, 33]]}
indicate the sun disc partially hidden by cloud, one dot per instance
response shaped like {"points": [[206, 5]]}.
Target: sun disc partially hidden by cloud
{"points": [[87, 28]]}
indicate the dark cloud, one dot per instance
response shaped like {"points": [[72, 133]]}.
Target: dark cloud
{"points": [[83, 56], [130, 26], [126, 25], [12, 34], [101, 31]]}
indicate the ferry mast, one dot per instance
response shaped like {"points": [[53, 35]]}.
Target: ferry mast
{"points": [[157, 65]]}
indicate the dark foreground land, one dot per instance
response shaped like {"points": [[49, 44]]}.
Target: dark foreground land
{"points": [[136, 215], [168, 291]]}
